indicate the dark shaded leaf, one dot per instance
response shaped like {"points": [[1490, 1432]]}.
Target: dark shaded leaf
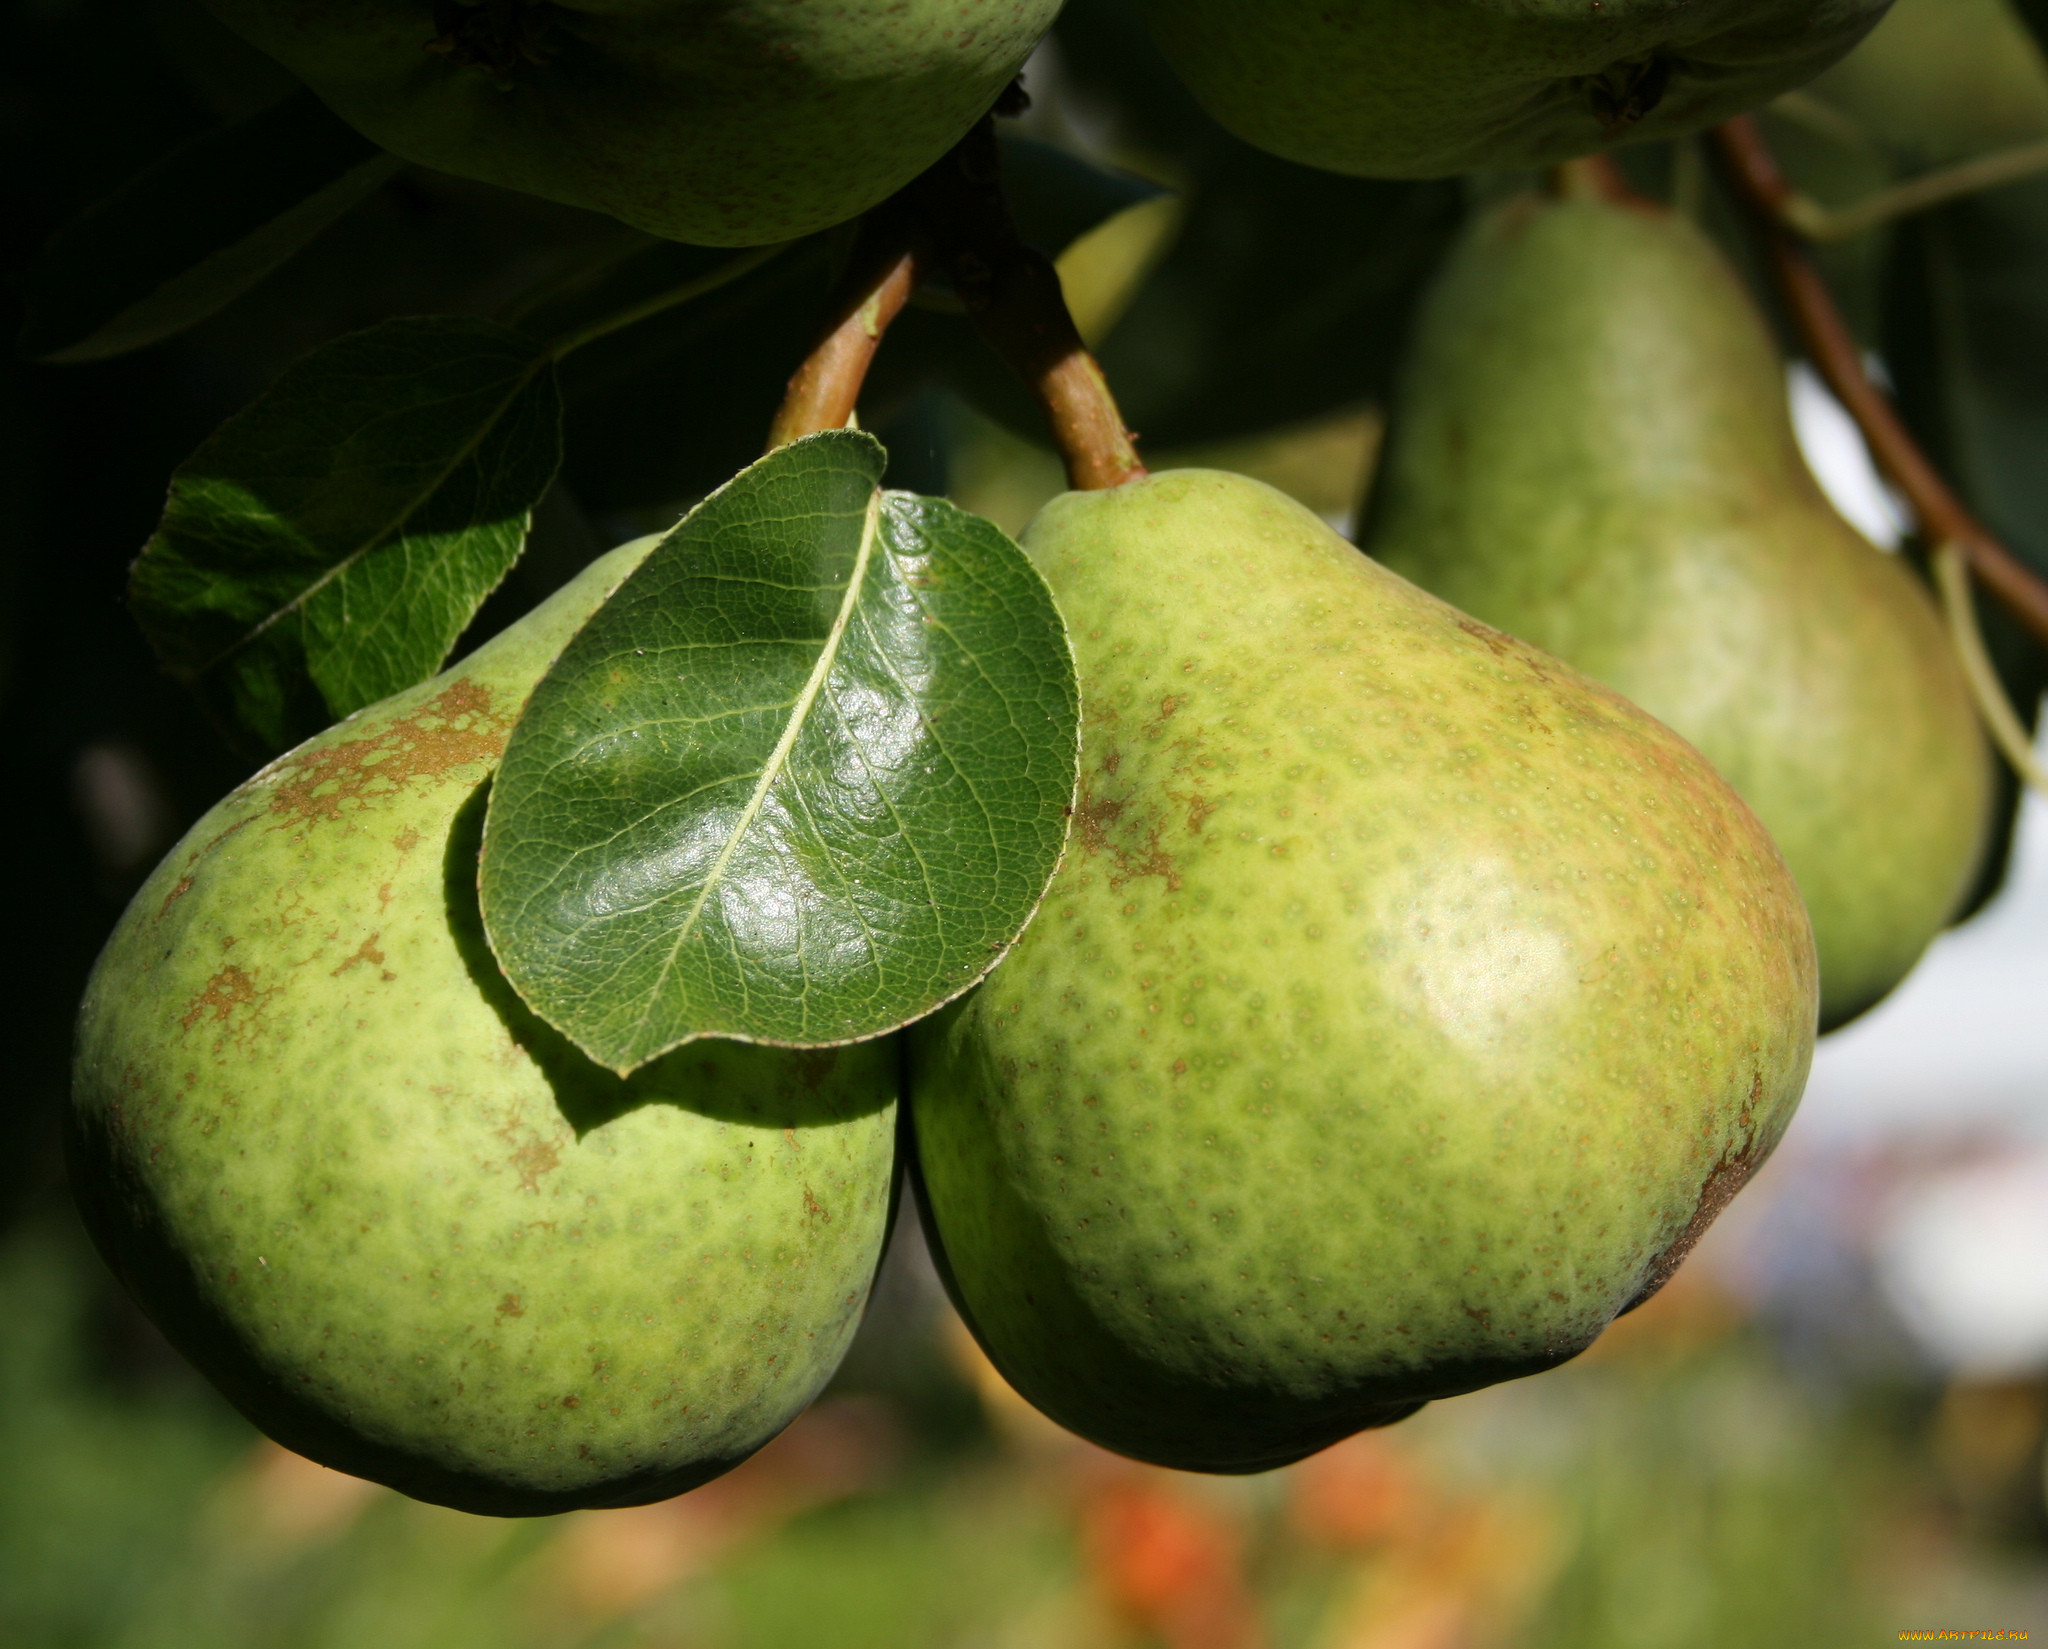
{"points": [[667, 410], [1967, 340], [327, 546], [638, 276], [196, 230], [1286, 296], [1058, 197], [800, 781], [2034, 13], [1107, 51], [1968, 344]]}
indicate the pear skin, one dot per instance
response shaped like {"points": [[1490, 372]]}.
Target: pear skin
{"points": [[1404, 1008], [1944, 80], [1389, 88], [406, 1227], [737, 124], [1591, 449]]}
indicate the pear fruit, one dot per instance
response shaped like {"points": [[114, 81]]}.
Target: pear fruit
{"points": [[1404, 1008], [1942, 81], [404, 1226], [1389, 88], [735, 124], [1591, 449]]}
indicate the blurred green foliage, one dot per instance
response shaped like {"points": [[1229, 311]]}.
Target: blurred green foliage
{"points": [[1679, 1489]]}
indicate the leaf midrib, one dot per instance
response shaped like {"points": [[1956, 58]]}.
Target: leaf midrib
{"points": [[778, 758]]}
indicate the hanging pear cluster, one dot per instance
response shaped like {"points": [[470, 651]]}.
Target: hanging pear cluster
{"points": [[1442, 931]]}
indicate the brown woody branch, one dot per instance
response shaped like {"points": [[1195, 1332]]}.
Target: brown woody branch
{"points": [[1943, 516]]}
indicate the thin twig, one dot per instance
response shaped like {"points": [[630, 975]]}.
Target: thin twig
{"points": [[1834, 352], [1952, 579], [1808, 217], [826, 387], [1013, 293], [1824, 120]]}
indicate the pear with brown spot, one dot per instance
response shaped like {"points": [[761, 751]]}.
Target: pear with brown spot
{"points": [[1405, 1007], [409, 1230]]}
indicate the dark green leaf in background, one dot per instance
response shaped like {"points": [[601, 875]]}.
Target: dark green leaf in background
{"points": [[803, 779], [1967, 341], [665, 411], [196, 230], [327, 546], [2034, 13], [1964, 328], [1286, 296], [1058, 197]]}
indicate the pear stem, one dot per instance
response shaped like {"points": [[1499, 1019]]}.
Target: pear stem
{"points": [[1012, 291], [1835, 354], [1952, 579], [1591, 177], [883, 273]]}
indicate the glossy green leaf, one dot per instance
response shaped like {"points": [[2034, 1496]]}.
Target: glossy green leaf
{"points": [[801, 780], [202, 226], [328, 545]]}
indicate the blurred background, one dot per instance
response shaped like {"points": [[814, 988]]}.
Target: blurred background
{"points": [[1828, 1428]]}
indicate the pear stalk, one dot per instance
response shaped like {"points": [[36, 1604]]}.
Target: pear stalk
{"points": [[1834, 352], [824, 390], [1012, 291], [956, 220], [1591, 177]]}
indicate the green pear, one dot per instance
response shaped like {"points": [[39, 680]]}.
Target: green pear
{"points": [[1404, 1008], [735, 124], [1591, 449], [1941, 81], [1389, 88], [407, 1228]]}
